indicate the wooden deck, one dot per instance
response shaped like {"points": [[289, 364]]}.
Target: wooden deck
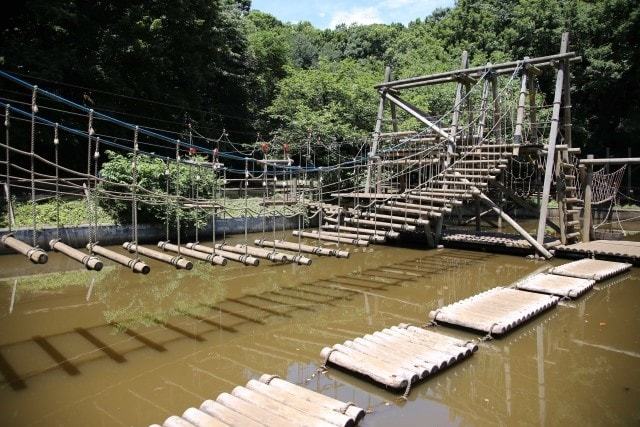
{"points": [[613, 250], [591, 269], [495, 311], [553, 284], [399, 356], [269, 402]]}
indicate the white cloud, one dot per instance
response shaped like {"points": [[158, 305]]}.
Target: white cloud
{"points": [[356, 15], [396, 4]]}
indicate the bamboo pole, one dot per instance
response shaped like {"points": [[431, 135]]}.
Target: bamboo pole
{"points": [[90, 262], [242, 258], [314, 235], [176, 261], [135, 265], [35, 255], [211, 259]]}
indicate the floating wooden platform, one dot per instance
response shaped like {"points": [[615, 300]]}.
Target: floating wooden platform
{"points": [[614, 250], [492, 242], [495, 311], [553, 284], [399, 356], [269, 402], [591, 269]]}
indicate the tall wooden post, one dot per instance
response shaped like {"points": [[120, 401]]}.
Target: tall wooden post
{"points": [[566, 118], [495, 93], [455, 119], [376, 131], [551, 145], [517, 138], [533, 117], [586, 212], [482, 119]]}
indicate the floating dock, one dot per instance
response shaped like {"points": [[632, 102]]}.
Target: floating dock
{"points": [[553, 284], [270, 401], [399, 356], [492, 242], [594, 269], [613, 250], [495, 311]]}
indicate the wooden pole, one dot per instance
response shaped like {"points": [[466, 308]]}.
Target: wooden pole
{"points": [[551, 146], [12, 218], [176, 261], [586, 212], [135, 265], [90, 262], [242, 258], [211, 259], [376, 132], [455, 119], [517, 139], [35, 255], [538, 246]]}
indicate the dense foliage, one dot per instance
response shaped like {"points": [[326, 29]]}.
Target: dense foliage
{"points": [[219, 64]]}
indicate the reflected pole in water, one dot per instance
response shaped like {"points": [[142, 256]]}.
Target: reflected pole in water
{"points": [[507, 379], [93, 281], [540, 354], [13, 296], [367, 309]]}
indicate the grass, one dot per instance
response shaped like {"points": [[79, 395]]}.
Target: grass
{"points": [[72, 213]]}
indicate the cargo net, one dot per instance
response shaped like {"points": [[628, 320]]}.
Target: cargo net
{"points": [[521, 177], [605, 186]]}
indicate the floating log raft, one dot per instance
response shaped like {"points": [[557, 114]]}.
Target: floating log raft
{"points": [[329, 238], [176, 261], [90, 262], [372, 238], [614, 250], [495, 311], [552, 284], [135, 265], [269, 402], [244, 259], [399, 356], [292, 246], [358, 230], [257, 252], [34, 254], [211, 259], [380, 224], [591, 269]]}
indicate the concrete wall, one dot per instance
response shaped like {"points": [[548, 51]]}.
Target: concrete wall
{"points": [[107, 235]]}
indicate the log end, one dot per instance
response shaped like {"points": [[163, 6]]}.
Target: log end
{"points": [[39, 257]]}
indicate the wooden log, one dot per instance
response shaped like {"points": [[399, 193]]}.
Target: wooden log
{"points": [[135, 265], [314, 235], [285, 411], [372, 238], [349, 409], [374, 350], [90, 262], [35, 255], [302, 405], [416, 206], [256, 252], [392, 218], [450, 340], [407, 350], [429, 351], [201, 419], [381, 224], [402, 211], [292, 246], [176, 261], [226, 415], [211, 259], [175, 421], [244, 259], [368, 367], [251, 411], [360, 230]]}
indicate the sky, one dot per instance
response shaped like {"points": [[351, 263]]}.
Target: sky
{"points": [[328, 14]]}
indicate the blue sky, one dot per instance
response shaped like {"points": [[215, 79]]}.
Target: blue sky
{"points": [[328, 14]]}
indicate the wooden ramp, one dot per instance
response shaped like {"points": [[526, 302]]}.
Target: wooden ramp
{"points": [[399, 356], [614, 250], [269, 402], [495, 311], [553, 284], [591, 269]]}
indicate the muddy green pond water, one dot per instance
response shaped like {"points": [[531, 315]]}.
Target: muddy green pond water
{"points": [[82, 348]]}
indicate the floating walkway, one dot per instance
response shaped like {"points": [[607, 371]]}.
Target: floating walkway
{"points": [[492, 242], [614, 250], [553, 284], [594, 269], [269, 402], [399, 356], [495, 311]]}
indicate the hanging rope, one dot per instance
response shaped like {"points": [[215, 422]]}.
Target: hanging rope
{"points": [[134, 193], [90, 133], [34, 111], [56, 142], [7, 125], [177, 207]]}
